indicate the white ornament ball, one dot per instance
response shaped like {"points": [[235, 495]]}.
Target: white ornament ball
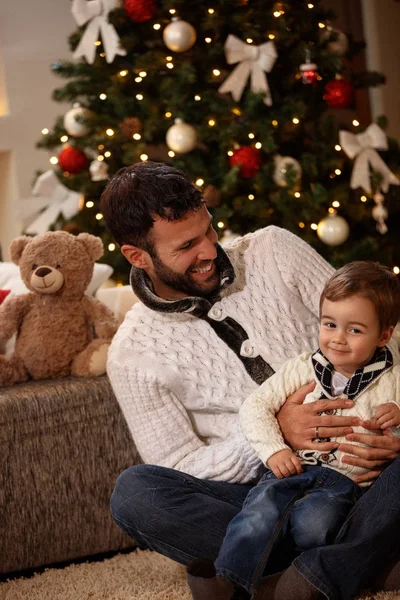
{"points": [[98, 170], [333, 230], [181, 137], [179, 35], [73, 126], [340, 45], [282, 163]]}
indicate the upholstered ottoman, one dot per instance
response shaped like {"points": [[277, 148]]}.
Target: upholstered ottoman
{"points": [[62, 445]]}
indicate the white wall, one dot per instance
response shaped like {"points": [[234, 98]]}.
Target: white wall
{"points": [[33, 34], [381, 21]]}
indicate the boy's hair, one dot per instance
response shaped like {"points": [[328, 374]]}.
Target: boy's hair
{"points": [[136, 194], [370, 280]]}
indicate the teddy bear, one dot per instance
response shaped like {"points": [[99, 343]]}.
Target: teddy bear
{"points": [[60, 330]]}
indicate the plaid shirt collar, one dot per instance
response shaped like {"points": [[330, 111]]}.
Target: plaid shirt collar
{"points": [[363, 377]]}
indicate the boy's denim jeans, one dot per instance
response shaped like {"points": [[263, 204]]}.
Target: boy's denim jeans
{"points": [[308, 508], [185, 518]]}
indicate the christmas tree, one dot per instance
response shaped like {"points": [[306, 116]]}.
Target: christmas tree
{"points": [[247, 98]]}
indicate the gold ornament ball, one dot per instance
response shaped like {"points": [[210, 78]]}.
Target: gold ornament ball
{"points": [[212, 196], [179, 35], [333, 230], [130, 126]]}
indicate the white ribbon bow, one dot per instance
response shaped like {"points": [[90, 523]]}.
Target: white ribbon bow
{"points": [[253, 60], [96, 11], [57, 198], [362, 146]]}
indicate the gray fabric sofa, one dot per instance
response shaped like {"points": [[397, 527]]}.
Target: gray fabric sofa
{"points": [[62, 445]]}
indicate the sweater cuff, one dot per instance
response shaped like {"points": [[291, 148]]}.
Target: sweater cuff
{"points": [[270, 449]]}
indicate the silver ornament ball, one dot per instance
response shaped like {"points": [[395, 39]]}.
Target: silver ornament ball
{"points": [[181, 137], [333, 230], [179, 35], [72, 121]]}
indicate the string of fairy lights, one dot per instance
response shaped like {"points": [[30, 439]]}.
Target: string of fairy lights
{"points": [[211, 121]]}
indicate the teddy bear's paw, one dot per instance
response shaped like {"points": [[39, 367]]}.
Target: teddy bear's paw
{"points": [[12, 371], [98, 360], [5, 372]]}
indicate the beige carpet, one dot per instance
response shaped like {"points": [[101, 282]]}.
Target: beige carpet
{"points": [[135, 576]]}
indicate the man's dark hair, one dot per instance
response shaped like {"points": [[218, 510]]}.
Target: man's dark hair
{"points": [[136, 194]]}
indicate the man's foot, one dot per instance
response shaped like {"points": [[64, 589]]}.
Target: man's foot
{"points": [[204, 582], [287, 585]]}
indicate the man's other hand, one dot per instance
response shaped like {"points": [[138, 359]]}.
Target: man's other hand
{"points": [[302, 425]]}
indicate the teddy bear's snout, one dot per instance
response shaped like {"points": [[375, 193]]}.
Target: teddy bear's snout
{"points": [[42, 271], [47, 280]]}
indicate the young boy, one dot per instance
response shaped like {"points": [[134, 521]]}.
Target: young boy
{"points": [[305, 496]]}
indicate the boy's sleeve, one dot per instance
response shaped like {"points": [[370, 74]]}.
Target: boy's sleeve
{"points": [[257, 413]]}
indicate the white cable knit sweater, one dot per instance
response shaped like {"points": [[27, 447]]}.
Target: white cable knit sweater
{"points": [[180, 386], [257, 414]]}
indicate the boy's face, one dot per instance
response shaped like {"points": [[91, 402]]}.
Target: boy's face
{"points": [[350, 333]]}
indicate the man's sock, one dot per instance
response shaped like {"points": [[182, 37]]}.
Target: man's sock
{"points": [[288, 585], [204, 582]]}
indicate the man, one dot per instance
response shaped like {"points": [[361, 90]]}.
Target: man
{"points": [[211, 326]]}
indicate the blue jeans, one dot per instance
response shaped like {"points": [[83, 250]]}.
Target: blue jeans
{"points": [[186, 518], [309, 508], [367, 543]]}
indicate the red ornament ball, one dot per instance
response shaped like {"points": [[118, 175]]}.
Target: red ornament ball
{"points": [[140, 11], [248, 158], [339, 93], [72, 160]]}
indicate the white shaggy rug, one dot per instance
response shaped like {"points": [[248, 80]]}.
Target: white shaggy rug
{"points": [[135, 576]]}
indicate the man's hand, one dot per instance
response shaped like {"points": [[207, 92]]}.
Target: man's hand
{"points": [[284, 463], [298, 422], [380, 451]]}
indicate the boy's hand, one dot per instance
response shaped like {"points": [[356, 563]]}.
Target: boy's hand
{"points": [[284, 463], [387, 415]]}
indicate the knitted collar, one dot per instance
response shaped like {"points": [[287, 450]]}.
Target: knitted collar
{"points": [[363, 377], [195, 305]]}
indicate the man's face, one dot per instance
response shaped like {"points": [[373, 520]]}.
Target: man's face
{"points": [[183, 259]]}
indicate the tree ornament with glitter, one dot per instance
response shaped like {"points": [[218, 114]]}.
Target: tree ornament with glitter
{"points": [[140, 11], [339, 93], [248, 158], [72, 160]]}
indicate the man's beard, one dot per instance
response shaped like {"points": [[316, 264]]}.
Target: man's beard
{"points": [[182, 282]]}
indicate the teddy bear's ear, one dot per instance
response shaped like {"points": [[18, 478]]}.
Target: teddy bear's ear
{"points": [[93, 245], [18, 246]]}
